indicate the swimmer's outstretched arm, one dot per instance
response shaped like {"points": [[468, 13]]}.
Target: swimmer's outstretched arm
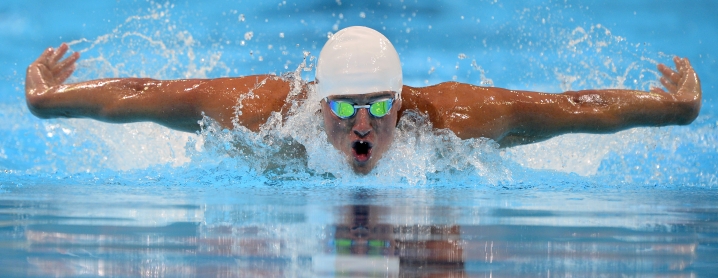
{"points": [[520, 117], [177, 104]]}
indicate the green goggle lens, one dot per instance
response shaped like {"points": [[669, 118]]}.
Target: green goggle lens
{"points": [[345, 109], [343, 242], [377, 243], [381, 108]]}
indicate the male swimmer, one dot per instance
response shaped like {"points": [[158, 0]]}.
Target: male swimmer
{"points": [[359, 83]]}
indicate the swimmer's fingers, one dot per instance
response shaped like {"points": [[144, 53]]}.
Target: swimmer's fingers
{"points": [[58, 53], [44, 56], [686, 70], [683, 77], [68, 61], [670, 85], [669, 73], [67, 64], [682, 65], [689, 86], [669, 79], [41, 67], [44, 63], [45, 71], [38, 73], [61, 76], [689, 93]]}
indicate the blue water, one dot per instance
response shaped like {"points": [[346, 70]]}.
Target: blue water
{"points": [[79, 197]]}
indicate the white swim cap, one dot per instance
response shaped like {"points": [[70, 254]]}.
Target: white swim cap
{"points": [[358, 60]]}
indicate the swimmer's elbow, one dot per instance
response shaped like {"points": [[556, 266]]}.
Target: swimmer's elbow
{"points": [[41, 106], [688, 111], [35, 105], [41, 113]]}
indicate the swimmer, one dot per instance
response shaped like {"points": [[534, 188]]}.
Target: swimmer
{"points": [[362, 96]]}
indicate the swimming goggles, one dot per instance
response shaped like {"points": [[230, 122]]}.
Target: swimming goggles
{"points": [[347, 110], [344, 246]]}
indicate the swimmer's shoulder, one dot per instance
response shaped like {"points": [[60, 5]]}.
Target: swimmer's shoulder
{"points": [[250, 100], [265, 85], [468, 110], [429, 100], [442, 95]]}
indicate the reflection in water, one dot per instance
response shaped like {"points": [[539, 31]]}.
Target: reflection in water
{"points": [[363, 245], [107, 235]]}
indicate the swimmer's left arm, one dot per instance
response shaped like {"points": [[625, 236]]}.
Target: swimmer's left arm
{"points": [[541, 116], [520, 117]]}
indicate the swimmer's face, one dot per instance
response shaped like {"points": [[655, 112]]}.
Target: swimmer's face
{"points": [[361, 226], [363, 138]]}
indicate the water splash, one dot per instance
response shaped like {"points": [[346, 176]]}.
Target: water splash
{"points": [[295, 149]]}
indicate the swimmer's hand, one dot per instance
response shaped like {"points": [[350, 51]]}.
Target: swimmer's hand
{"points": [[684, 88], [47, 72]]}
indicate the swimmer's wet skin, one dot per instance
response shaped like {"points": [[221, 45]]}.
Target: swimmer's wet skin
{"points": [[358, 68]]}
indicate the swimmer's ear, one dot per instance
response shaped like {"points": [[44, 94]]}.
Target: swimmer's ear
{"points": [[320, 107], [397, 103]]}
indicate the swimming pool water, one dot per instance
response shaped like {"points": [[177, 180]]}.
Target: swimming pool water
{"points": [[78, 197], [116, 230]]}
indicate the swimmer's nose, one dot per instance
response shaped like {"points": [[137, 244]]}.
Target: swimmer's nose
{"points": [[362, 134], [362, 128]]}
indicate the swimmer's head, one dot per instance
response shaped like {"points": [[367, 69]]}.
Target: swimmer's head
{"points": [[358, 60], [359, 83]]}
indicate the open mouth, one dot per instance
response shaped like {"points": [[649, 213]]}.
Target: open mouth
{"points": [[361, 150]]}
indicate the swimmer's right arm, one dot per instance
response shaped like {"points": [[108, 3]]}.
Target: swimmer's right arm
{"points": [[178, 104]]}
